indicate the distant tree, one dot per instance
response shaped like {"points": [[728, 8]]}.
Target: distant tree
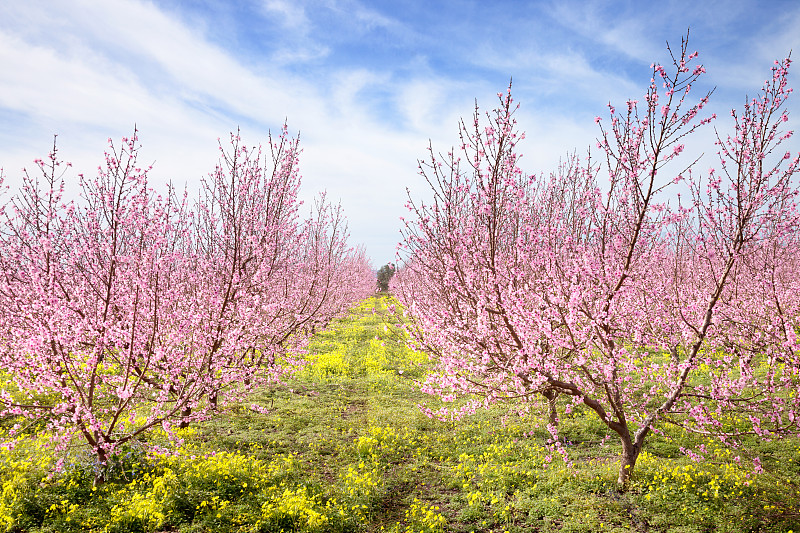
{"points": [[385, 275]]}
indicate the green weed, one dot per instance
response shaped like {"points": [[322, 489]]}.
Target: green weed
{"points": [[345, 448]]}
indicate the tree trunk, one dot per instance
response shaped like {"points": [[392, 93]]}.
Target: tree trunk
{"points": [[630, 452], [213, 399], [552, 411], [185, 413], [101, 472], [673, 356]]}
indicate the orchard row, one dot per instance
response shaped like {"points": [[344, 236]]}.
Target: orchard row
{"points": [[132, 310], [629, 283], [626, 281]]}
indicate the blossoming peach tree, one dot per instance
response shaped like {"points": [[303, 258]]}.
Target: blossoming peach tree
{"points": [[131, 309], [602, 284]]}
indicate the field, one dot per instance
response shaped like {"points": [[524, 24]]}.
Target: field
{"points": [[345, 447]]}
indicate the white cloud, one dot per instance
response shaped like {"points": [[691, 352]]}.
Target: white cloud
{"points": [[746, 72], [139, 65], [90, 69], [623, 32], [292, 14]]}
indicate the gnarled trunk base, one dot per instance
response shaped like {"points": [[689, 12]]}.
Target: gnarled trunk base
{"points": [[630, 453]]}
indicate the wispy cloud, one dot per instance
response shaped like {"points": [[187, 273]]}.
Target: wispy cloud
{"points": [[623, 30], [141, 66], [292, 14]]}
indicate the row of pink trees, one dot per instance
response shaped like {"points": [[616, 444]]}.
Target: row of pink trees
{"points": [[132, 309], [619, 293]]}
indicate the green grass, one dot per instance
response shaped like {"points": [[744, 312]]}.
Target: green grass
{"points": [[345, 448]]}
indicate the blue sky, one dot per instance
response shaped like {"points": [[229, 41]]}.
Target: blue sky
{"points": [[367, 84]]}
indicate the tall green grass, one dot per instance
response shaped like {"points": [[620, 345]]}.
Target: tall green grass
{"points": [[344, 447]]}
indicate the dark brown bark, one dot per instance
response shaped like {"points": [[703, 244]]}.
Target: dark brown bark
{"points": [[552, 410], [102, 468], [185, 414], [630, 453]]}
